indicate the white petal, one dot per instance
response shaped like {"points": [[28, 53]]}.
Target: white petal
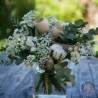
{"points": [[54, 53], [58, 54]]}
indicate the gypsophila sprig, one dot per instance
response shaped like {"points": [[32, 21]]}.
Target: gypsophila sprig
{"points": [[53, 21], [44, 43], [43, 50], [29, 18]]}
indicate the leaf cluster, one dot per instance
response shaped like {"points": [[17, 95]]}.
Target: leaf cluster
{"points": [[73, 33], [64, 73]]}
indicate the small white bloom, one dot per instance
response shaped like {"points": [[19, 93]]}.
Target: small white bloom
{"points": [[87, 49], [16, 30], [33, 49], [35, 39], [12, 49], [22, 22], [70, 49], [58, 51], [31, 57], [75, 57], [29, 18], [36, 68], [16, 33], [22, 42], [29, 41]]}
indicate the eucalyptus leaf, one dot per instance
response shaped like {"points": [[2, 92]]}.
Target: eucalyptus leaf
{"points": [[63, 72], [19, 61], [80, 23], [70, 36], [39, 82], [15, 22], [96, 31], [63, 64], [91, 31], [67, 70]]}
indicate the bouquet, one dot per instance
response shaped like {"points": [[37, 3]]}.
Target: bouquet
{"points": [[45, 43]]}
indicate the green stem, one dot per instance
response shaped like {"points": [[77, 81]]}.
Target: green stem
{"points": [[46, 77]]}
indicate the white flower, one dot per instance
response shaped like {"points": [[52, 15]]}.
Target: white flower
{"points": [[54, 21], [12, 49], [33, 49], [43, 49], [29, 41], [16, 30], [16, 33], [70, 49], [58, 51], [75, 57], [87, 49], [35, 39], [31, 57], [22, 42], [23, 30], [29, 18], [29, 61], [36, 68], [22, 22]]}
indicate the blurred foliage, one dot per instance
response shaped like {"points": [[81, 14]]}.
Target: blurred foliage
{"points": [[96, 1], [2, 42], [64, 10], [20, 7], [4, 18], [12, 8]]}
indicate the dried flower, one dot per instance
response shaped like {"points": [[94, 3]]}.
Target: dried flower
{"points": [[58, 51]]}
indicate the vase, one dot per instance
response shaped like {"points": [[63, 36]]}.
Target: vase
{"points": [[42, 25], [49, 96], [41, 94]]}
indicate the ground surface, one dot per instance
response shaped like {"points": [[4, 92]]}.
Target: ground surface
{"points": [[17, 81]]}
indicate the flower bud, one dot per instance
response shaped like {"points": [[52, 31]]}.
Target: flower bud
{"points": [[42, 25], [57, 31]]}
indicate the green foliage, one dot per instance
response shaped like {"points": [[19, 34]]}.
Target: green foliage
{"points": [[95, 1], [64, 74], [39, 82], [63, 64], [15, 22], [73, 33], [12, 8], [21, 7], [80, 23], [4, 19]]}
